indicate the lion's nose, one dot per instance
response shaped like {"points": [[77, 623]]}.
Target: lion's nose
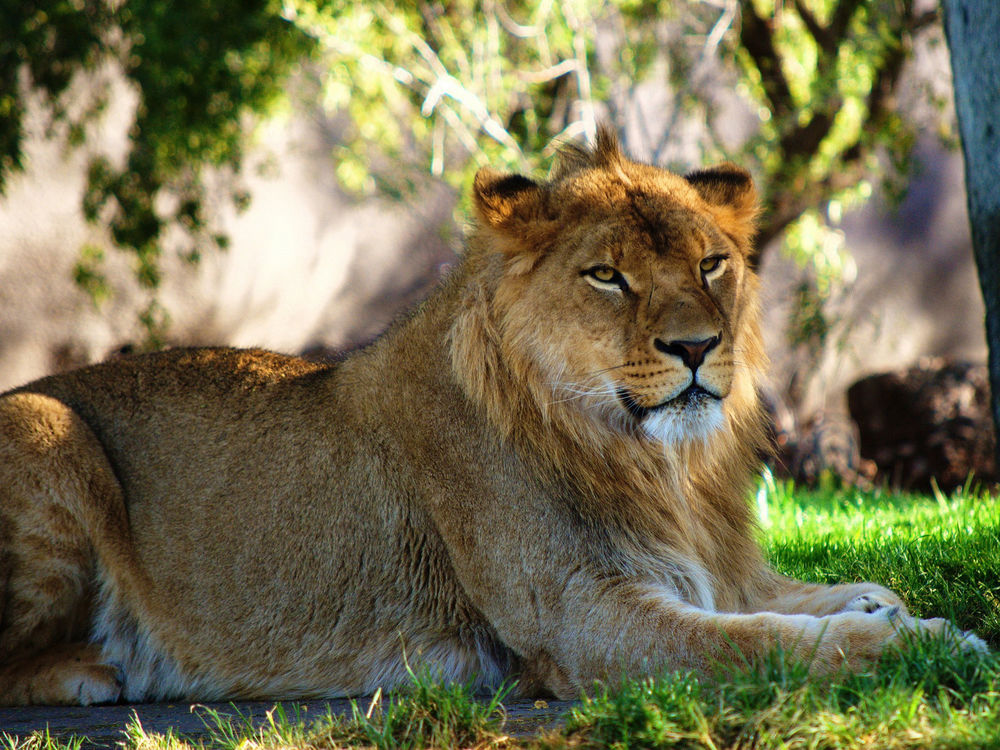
{"points": [[692, 353]]}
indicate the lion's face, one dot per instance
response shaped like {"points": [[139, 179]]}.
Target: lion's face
{"points": [[638, 327], [627, 289]]}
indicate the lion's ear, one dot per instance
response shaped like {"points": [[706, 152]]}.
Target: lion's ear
{"points": [[502, 197], [512, 208], [729, 189]]}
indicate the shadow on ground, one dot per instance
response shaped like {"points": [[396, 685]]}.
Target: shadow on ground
{"points": [[104, 726]]}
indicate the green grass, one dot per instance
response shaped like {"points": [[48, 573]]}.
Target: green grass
{"points": [[942, 554], [930, 698], [428, 714], [40, 741]]}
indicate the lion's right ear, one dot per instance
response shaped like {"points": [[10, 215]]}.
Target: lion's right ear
{"points": [[504, 199], [512, 210], [511, 207]]}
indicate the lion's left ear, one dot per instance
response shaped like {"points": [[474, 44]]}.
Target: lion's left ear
{"points": [[729, 189]]}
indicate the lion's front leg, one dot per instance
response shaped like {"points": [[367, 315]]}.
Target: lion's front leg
{"points": [[651, 634], [787, 596], [670, 634]]}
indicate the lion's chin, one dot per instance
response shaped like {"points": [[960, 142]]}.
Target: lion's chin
{"points": [[693, 415], [690, 423]]}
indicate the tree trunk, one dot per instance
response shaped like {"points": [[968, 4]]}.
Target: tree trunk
{"points": [[973, 28]]}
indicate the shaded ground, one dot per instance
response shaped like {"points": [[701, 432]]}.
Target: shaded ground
{"points": [[103, 726]]}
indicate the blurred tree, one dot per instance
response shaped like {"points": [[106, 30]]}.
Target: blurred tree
{"points": [[442, 86], [825, 75], [438, 87], [442, 81], [973, 28], [198, 67]]}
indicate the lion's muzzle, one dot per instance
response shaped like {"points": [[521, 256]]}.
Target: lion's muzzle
{"points": [[691, 353], [691, 398]]}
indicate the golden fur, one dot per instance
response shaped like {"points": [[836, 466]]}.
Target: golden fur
{"points": [[542, 473]]}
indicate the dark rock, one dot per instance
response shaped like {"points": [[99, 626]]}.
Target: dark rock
{"points": [[824, 446], [931, 421]]}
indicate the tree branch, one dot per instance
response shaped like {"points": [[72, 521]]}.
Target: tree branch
{"points": [[786, 205], [791, 204], [921, 22], [804, 140], [756, 38], [841, 19], [819, 33]]}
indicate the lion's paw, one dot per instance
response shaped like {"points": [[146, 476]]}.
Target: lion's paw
{"points": [[969, 641], [875, 602], [89, 684], [959, 640], [859, 639]]}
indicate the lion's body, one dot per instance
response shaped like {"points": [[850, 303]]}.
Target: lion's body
{"points": [[541, 473]]}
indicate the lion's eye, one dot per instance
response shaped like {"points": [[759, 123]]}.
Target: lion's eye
{"points": [[603, 273], [711, 264], [605, 277]]}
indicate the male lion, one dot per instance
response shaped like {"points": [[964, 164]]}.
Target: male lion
{"points": [[542, 473]]}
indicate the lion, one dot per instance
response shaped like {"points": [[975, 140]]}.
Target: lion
{"points": [[540, 475]]}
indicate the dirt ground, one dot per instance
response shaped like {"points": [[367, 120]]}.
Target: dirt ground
{"points": [[104, 726]]}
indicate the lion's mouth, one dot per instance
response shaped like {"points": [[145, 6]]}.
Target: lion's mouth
{"points": [[691, 397]]}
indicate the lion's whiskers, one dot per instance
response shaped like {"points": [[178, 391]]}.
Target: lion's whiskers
{"points": [[596, 373], [582, 390]]}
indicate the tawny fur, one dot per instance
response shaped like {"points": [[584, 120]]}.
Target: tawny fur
{"points": [[513, 482]]}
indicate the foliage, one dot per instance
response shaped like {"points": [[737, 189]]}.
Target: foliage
{"points": [[500, 82], [823, 75], [48, 42], [199, 69], [444, 88]]}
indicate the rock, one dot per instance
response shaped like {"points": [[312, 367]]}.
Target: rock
{"points": [[825, 446], [930, 421]]}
